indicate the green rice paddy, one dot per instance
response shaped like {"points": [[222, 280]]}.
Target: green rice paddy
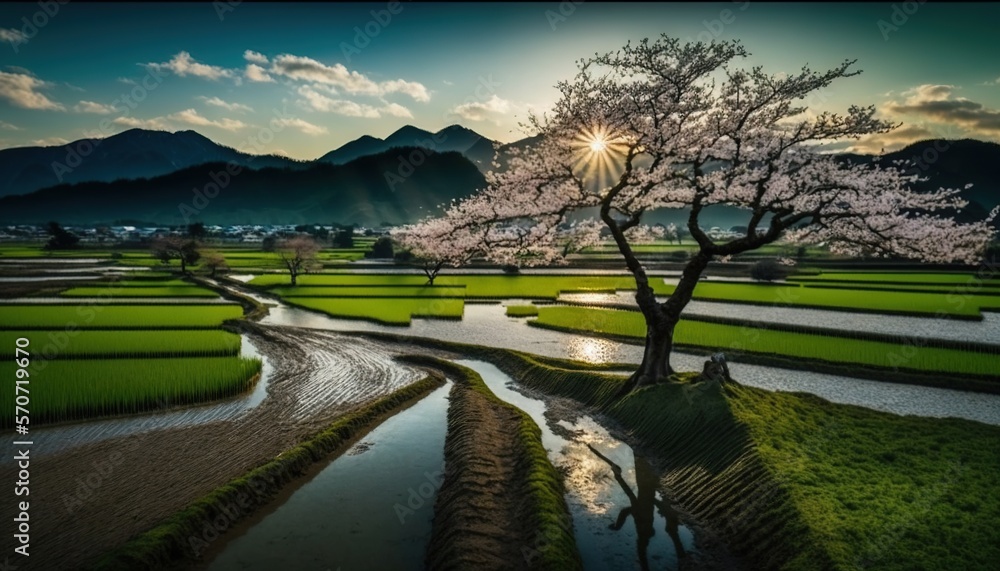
{"points": [[395, 311], [122, 344], [114, 291], [780, 343], [84, 316]]}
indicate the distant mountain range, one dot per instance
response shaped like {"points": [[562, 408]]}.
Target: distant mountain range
{"points": [[152, 175]]}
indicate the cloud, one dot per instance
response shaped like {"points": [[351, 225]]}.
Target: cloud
{"points": [[938, 104], [8, 127], [303, 126], [396, 110], [13, 36], [183, 65], [257, 74], [92, 107], [255, 57], [891, 141], [49, 142], [191, 117], [21, 90], [216, 102], [319, 102], [126, 81], [488, 110], [156, 124], [352, 82]]}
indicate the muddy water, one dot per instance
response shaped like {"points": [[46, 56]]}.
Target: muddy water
{"points": [[370, 508], [618, 523]]}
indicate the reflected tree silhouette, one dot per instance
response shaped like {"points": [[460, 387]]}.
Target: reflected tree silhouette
{"points": [[643, 503]]}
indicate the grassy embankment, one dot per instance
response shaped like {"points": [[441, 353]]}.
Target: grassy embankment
{"points": [[496, 464]]}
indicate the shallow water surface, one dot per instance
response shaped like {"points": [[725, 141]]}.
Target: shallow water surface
{"points": [[620, 520], [370, 508]]}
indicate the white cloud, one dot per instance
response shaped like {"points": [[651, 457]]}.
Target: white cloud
{"points": [[22, 90], [303, 126], [488, 110], [13, 36], [156, 124], [92, 107], [49, 142], [320, 102], [191, 117], [255, 57], [126, 81], [257, 74], [8, 127], [352, 82], [216, 102], [183, 65], [397, 110]]}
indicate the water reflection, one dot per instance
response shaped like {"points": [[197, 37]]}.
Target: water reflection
{"points": [[592, 349], [643, 502]]}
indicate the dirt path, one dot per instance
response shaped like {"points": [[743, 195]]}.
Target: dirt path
{"points": [[89, 499]]}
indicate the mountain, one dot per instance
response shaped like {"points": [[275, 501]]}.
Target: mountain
{"points": [[135, 153], [950, 164], [359, 192], [474, 146]]}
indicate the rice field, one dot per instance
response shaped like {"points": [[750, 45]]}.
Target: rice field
{"points": [[88, 315], [951, 278], [136, 291], [61, 344], [522, 310], [796, 345], [370, 291], [82, 388], [395, 311]]}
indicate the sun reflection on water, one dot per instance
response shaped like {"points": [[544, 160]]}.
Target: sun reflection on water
{"points": [[591, 350]]}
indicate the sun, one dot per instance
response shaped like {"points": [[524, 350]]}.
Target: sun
{"points": [[598, 155], [598, 145]]}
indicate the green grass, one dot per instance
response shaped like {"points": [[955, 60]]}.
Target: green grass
{"points": [[395, 311], [847, 299], [796, 345], [122, 344], [174, 291], [82, 388], [87, 315], [882, 491], [153, 281], [900, 277], [369, 291], [522, 310]]}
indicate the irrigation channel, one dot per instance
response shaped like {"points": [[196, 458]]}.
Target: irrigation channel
{"points": [[378, 497], [487, 324]]}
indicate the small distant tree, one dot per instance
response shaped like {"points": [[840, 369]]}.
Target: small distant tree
{"points": [[269, 243], [382, 248], [214, 261], [768, 270], [680, 233], [344, 238], [60, 238], [434, 244], [298, 254], [197, 230], [184, 250]]}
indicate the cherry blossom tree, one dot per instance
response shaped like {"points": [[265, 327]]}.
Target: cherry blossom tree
{"points": [[660, 124], [298, 255]]}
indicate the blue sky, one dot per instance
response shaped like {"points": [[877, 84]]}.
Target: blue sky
{"points": [[301, 68]]}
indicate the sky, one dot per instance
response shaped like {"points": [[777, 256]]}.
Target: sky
{"points": [[303, 79]]}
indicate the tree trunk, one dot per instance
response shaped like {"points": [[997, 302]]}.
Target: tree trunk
{"points": [[661, 320], [294, 277]]}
